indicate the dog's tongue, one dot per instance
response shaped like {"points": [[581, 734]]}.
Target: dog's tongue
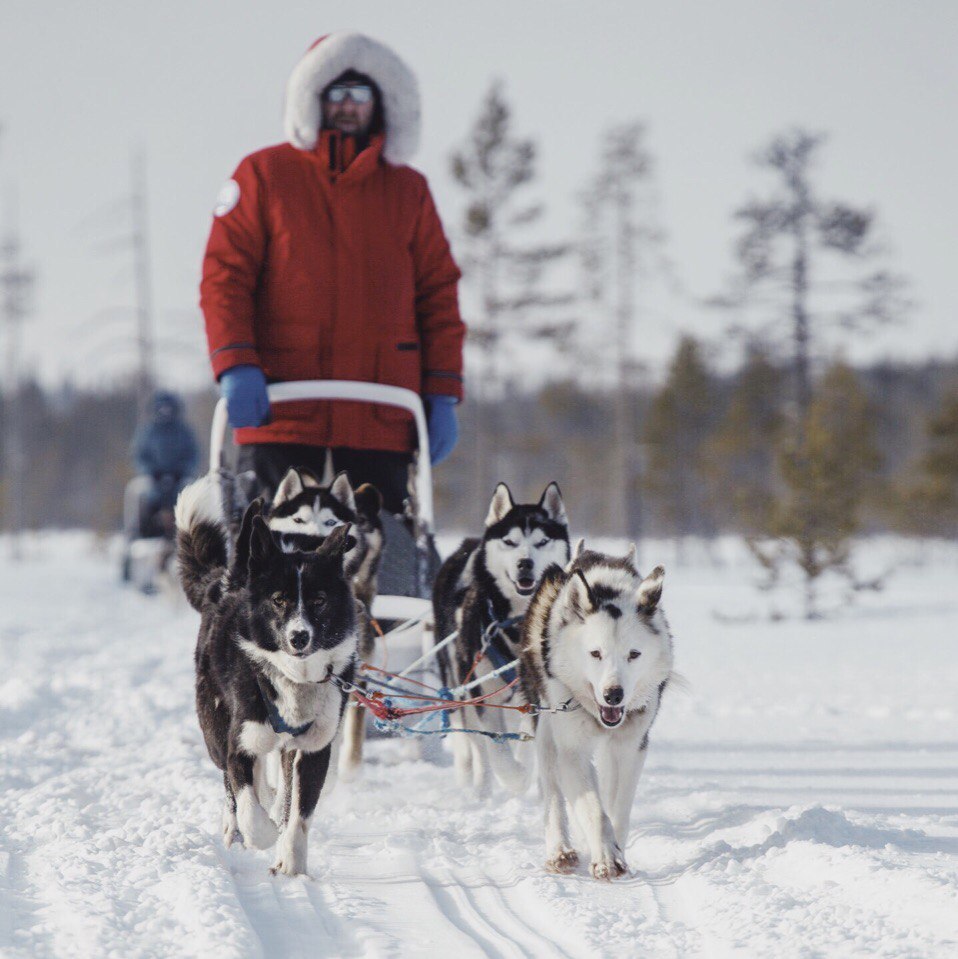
{"points": [[610, 714]]}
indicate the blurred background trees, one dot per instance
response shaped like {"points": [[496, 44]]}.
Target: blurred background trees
{"points": [[762, 431]]}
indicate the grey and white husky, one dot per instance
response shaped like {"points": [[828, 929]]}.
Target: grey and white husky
{"points": [[304, 512], [491, 580], [596, 641]]}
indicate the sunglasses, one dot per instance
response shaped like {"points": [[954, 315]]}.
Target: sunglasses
{"points": [[358, 94]]}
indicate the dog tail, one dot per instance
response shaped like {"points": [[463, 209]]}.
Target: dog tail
{"points": [[201, 539]]}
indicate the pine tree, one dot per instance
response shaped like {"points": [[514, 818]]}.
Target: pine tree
{"points": [[621, 242], [740, 455], [806, 258], [680, 418], [933, 501], [827, 477], [507, 271]]}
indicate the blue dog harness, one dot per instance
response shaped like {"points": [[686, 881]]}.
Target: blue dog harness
{"points": [[492, 650], [275, 718]]}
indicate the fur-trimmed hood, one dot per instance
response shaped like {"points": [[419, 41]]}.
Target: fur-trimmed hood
{"points": [[331, 56]]}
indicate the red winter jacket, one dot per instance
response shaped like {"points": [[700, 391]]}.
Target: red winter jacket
{"points": [[313, 271]]}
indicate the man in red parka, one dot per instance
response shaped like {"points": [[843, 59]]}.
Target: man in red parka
{"points": [[327, 260]]}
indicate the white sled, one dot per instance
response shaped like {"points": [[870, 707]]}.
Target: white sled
{"points": [[409, 559]]}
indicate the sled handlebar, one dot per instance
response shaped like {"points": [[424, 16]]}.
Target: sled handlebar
{"points": [[354, 391]]}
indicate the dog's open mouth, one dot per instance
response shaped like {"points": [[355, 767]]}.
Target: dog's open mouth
{"points": [[525, 585], [611, 716]]}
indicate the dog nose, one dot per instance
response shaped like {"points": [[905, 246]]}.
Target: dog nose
{"points": [[524, 566], [613, 695], [299, 639]]}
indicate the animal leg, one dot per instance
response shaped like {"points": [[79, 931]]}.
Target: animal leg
{"points": [[265, 793], [228, 825], [461, 753], [561, 857], [630, 768], [580, 785], [253, 821], [309, 772], [509, 771], [481, 780], [354, 733]]}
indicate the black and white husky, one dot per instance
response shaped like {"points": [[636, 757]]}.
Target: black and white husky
{"points": [[595, 642], [277, 635], [486, 581], [302, 512]]}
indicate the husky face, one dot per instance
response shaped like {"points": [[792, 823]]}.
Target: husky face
{"points": [[615, 638], [304, 511], [301, 604], [301, 505], [521, 541]]}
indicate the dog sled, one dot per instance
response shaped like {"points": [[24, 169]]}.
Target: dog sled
{"points": [[403, 605], [411, 685], [149, 541]]}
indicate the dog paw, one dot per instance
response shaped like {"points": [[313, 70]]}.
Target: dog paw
{"points": [[288, 866], [229, 829], [610, 866], [259, 831], [564, 861]]}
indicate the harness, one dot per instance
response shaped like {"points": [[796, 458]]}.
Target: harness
{"points": [[273, 714], [492, 649]]}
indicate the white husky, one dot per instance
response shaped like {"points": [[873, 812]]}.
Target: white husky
{"points": [[594, 640]]}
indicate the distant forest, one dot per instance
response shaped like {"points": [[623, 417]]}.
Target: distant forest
{"points": [[704, 459]]}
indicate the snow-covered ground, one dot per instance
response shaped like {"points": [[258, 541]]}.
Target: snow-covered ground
{"points": [[801, 798]]}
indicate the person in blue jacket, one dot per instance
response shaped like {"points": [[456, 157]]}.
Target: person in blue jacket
{"points": [[165, 450]]}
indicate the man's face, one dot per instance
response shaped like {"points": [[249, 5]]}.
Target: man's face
{"points": [[342, 109]]}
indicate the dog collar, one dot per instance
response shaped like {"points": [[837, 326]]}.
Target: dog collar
{"points": [[275, 719]]}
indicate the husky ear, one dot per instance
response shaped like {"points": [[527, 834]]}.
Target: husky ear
{"points": [[291, 485], [343, 492], [239, 566], [579, 548], [262, 546], [581, 597], [339, 542], [309, 478], [501, 503], [551, 502], [369, 501], [630, 555], [650, 590]]}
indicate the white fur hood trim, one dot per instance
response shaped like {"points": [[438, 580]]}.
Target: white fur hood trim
{"points": [[332, 56]]}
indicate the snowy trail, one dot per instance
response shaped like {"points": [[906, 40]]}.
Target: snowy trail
{"points": [[800, 800]]}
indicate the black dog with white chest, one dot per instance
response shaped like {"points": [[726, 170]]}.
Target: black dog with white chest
{"points": [[278, 638]]}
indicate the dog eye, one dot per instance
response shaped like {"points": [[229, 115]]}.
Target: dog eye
{"points": [[634, 654], [331, 522], [297, 519], [278, 599], [319, 602], [595, 654], [540, 544], [510, 543]]}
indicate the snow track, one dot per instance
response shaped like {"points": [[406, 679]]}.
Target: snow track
{"points": [[800, 800]]}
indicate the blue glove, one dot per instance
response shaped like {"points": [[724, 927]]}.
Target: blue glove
{"points": [[443, 426], [244, 388]]}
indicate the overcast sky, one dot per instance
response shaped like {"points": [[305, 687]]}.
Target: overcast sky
{"points": [[199, 85]]}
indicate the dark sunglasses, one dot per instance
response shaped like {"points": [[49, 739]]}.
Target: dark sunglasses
{"points": [[358, 94]]}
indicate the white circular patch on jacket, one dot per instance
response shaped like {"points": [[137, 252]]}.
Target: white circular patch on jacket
{"points": [[227, 198]]}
